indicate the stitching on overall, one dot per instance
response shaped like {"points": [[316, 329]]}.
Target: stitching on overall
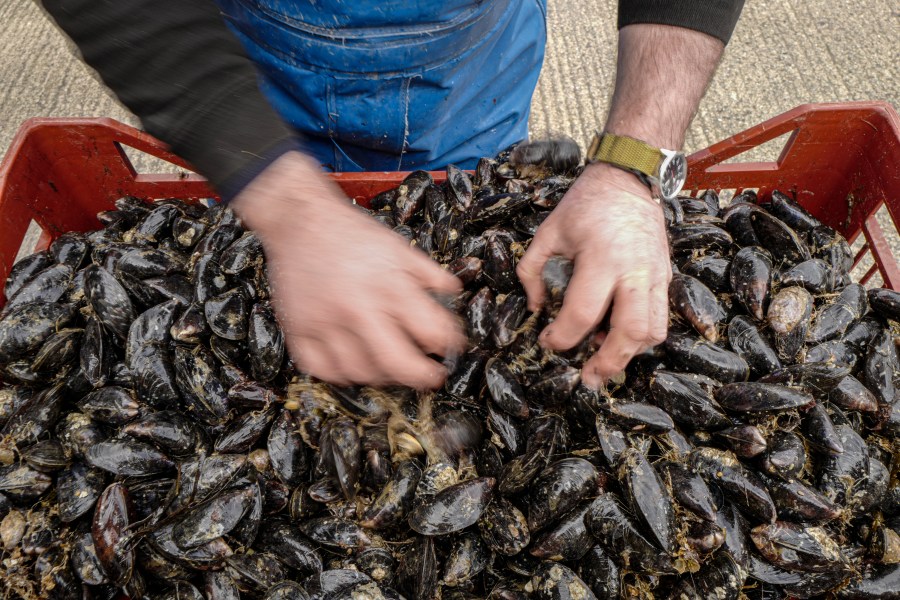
{"points": [[405, 139], [331, 108]]}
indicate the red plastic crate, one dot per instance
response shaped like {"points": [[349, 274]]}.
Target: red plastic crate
{"points": [[842, 161]]}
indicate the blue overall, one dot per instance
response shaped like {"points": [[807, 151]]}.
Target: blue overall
{"points": [[386, 85]]}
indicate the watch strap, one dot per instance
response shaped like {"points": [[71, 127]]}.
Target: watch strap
{"points": [[625, 152]]}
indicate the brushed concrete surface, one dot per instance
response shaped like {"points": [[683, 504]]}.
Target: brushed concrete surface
{"points": [[783, 53]]}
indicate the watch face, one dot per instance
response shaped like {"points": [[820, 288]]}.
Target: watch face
{"points": [[673, 172]]}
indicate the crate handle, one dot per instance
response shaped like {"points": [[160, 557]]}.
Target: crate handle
{"points": [[96, 144]]}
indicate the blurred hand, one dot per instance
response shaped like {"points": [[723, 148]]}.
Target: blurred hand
{"points": [[352, 296], [614, 232]]}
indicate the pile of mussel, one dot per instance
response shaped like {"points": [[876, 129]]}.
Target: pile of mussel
{"points": [[156, 442]]}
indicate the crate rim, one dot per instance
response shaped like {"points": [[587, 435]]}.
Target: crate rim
{"points": [[696, 158]]}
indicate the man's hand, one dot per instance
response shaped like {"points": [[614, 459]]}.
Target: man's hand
{"points": [[612, 230], [353, 297], [607, 223]]}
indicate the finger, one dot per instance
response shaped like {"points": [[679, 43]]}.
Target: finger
{"points": [[628, 333], [435, 329], [429, 275], [584, 305], [529, 271], [399, 360], [315, 358]]}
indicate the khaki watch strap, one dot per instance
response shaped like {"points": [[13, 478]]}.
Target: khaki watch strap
{"points": [[625, 152]]}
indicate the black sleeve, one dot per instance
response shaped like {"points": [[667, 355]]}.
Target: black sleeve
{"points": [[714, 17], [176, 65]]}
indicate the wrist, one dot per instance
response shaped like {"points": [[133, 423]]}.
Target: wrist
{"points": [[287, 192], [619, 178], [645, 129]]}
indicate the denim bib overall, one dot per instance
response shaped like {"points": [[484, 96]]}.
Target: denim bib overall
{"points": [[385, 85]]}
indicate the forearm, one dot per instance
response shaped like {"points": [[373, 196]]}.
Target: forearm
{"points": [[175, 65], [661, 76]]}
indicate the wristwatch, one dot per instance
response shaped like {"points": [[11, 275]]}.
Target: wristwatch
{"points": [[663, 170]]}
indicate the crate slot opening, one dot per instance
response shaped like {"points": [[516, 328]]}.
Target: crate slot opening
{"points": [[891, 234], [770, 151], [142, 163], [30, 240], [866, 263], [860, 249]]}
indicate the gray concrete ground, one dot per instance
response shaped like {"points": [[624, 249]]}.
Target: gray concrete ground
{"points": [[783, 53]]}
